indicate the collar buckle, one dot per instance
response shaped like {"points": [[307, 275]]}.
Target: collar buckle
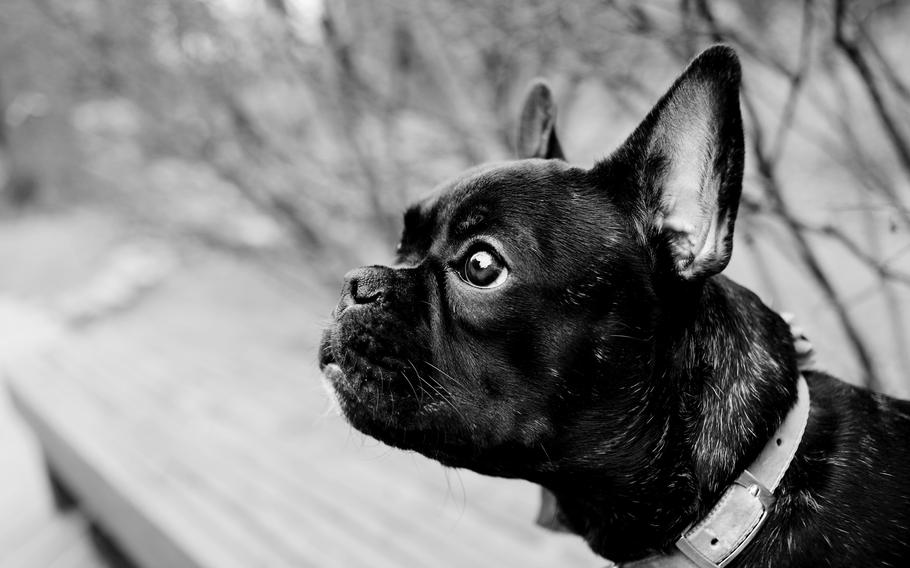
{"points": [[755, 488], [731, 526]]}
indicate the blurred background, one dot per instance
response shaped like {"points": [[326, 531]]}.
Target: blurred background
{"points": [[184, 182]]}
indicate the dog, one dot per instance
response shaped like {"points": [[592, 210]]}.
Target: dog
{"points": [[572, 327]]}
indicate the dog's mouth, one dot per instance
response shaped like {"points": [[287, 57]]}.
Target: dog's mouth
{"points": [[392, 400], [419, 414], [388, 385]]}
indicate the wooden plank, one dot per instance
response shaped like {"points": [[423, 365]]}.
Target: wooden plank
{"points": [[370, 519], [48, 543], [156, 520], [234, 504], [82, 554], [293, 514]]}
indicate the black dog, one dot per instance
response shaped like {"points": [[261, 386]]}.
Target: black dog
{"points": [[569, 327]]}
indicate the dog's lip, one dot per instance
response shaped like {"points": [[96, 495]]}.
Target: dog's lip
{"points": [[332, 372], [326, 355]]}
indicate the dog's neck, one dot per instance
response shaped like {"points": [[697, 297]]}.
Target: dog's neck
{"points": [[731, 364]]}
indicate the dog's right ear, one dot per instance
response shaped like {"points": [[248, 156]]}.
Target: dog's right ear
{"points": [[537, 125]]}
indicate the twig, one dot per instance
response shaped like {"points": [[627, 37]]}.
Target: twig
{"points": [[893, 306], [879, 268], [856, 58], [719, 33], [761, 265], [888, 71], [278, 207], [797, 80], [350, 84], [872, 175]]}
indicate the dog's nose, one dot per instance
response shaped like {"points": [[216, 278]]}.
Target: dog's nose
{"points": [[362, 286]]}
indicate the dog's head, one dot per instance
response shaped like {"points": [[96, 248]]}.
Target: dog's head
{"points": [[518, 331]]}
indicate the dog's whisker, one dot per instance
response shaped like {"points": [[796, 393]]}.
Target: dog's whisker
{"points": [[419, 398], [448, 493], [444, 396], [463, 505], [462, 384], [547, 454], [631, 337], [439, 385]]}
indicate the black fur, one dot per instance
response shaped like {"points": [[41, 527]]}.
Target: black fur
{"points": [[614, 366]]}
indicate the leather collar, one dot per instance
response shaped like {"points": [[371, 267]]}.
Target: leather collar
{"points": [[734, 521]]}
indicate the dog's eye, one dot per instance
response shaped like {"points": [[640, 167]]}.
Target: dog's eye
{"points": [[484, 269]]}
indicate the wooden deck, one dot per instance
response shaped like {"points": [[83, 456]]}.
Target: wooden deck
{"points": [[34, 533], [59, 540], [193, 431]]}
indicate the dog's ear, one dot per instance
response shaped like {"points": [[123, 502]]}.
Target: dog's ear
{"points": [[685, 163], [537, 125]]}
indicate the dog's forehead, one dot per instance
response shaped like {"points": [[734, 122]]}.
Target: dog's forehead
{"points": [[492, 191], [520, 203], [493, 179]]}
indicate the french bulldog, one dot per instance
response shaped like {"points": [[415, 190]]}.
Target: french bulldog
{"points": [[571, 327]]}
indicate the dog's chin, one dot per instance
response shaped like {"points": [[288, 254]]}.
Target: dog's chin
{"points": [[430, 427]]}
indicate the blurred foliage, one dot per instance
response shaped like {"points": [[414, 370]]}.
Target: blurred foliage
{"points": [[311, 124]]}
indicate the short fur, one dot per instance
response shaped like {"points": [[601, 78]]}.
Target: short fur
{"points": [[615, 366]]}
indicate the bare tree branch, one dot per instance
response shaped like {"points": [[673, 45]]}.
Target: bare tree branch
{"points": [[887, 68], [856, 57], [797, 80], [875, 265]]}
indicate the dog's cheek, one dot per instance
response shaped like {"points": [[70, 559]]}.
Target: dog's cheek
{"points": [[508, 360], [520, 367], [494, 400]]}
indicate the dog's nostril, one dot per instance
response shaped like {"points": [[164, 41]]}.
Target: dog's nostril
{"points": [[364, 286], [364, 293]]}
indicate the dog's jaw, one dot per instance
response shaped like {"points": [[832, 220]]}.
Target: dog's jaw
{"points": [[443, 425], [380, 371]]}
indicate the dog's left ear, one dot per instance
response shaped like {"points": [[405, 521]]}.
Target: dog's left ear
{"points": [[685, 163], [537, 125]]}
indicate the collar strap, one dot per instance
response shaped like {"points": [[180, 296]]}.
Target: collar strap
{"points": [[742, 509], [744, 506]]}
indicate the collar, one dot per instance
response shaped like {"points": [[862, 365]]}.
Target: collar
{"points": [[734, 521]]}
